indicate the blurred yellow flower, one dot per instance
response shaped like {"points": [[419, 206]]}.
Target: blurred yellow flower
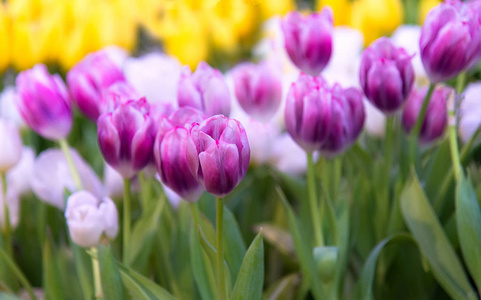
{"points": [[424, 8], [341, 9], [4, 39], [376, 18]]}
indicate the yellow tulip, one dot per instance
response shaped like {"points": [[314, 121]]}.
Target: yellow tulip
{"points": [[4, 39], [424, 8], [341, 9], [186, 37], [271, 8], [376, 18]]}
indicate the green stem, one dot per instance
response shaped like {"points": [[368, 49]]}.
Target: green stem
{"points": [[316, 221], [220, 246], [18, 273], [126, 222], [6, 214], [388, 153], [419, 122], [453, 134], [73, 169], [96, 271]]}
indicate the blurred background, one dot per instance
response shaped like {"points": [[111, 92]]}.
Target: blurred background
{"points": [[221, 32]]}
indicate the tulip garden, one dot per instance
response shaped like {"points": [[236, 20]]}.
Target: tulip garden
{"points": [[240, 150]]}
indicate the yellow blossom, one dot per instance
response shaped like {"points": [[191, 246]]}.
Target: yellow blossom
{"points": [[424, 8], [376, 18], [341, 9], [4, 39]]}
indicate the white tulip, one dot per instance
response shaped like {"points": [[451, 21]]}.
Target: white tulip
{"points": [[52, 175], [88, 217], [10, 145]]}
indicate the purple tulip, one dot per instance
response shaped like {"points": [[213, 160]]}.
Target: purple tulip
{"points": [[450, 40], [126, 137], [346, 122], [88, 78], [322, 118], [308, 112], [436, 118], [44, 103], [205, 90], [170, 152], [114, 95], [308, 40], [258, 89], [386, 75], [218, 154]]}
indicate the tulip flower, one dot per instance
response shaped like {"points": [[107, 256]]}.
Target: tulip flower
{"points": [[44, 103], [51, 177], [88, 218], [346, 122], [20, 176], [170, 152], [308, 112], [470, 112], [88, 78], [218, 154], [126, 137], [11, 150], [436, 119], [258, 89], [308, 40], [114, 95], [319, 117], [205, 90], [450, 40], [386, 75]]}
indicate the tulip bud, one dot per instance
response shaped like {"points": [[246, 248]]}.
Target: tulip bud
{"points": [[308, 40], [258, 89], [89, 217], [126, 137], [205, 90], [386, 75], [326, 259], [11, 150], [88, 78], [450, 40], [436, 118], [44, 103], [218, 154], [308, 112], [20, 176], [322, 118], [171, 161], [347, 120]]}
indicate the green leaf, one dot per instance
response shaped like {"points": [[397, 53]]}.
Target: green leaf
{"points": [[7, 261], [203, 274], [433, 242], [144, 229], [366, 279], [235, 248], [468, 218], [304, 253], [251, 276], [109, 274], [83, 270], [140, 287], [52, 279]]}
